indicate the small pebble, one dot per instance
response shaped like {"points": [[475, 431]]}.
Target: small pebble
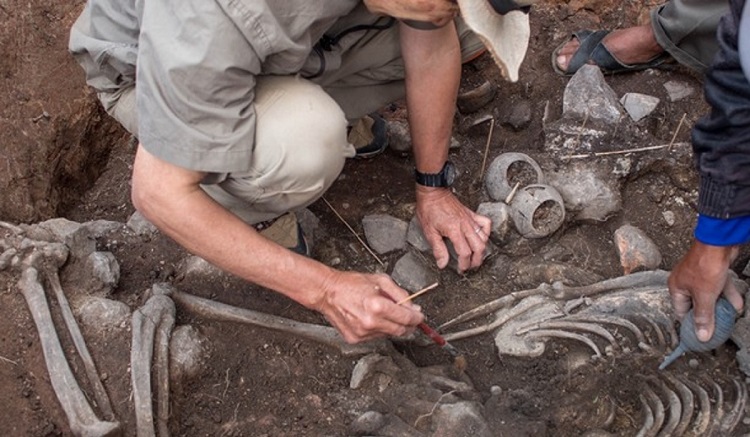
{"points": [[669, 217], [496, 390], [746, 421], [693, 363]]}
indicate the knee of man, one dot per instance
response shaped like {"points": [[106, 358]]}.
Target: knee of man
{"points": [[300, 128]]}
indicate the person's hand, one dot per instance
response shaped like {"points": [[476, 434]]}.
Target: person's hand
{"points": [[441, 214], [438, 12], [358, 305], [698, 280]]}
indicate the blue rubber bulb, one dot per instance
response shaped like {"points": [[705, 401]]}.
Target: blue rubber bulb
{"points": [[724, 318]]}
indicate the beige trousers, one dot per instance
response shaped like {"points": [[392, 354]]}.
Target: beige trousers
{"points": [[300, 149]]}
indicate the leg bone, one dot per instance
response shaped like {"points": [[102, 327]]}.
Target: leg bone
{"points": [[81, 418], [75, 333], [156, 315], [322, 334]]}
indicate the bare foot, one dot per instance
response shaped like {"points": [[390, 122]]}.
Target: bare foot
{"points": [[632, 45]]}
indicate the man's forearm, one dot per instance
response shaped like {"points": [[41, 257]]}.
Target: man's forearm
{"points": [[188, 215], [432, 60]]}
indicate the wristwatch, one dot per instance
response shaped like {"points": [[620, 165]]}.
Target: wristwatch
{"points": [[443, 179]]}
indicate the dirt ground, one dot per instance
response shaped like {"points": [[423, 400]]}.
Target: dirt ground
{"points": [[261, 383]]}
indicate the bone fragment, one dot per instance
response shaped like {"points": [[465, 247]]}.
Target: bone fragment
{"points": [[687, 402], [658, 408], [660, 338], [733, 417], [703, 421], [493, 306], [575, 326], [6, 258], [81, 418], [322, 334], [547, 333], [156, 315], [718, 412], [635, 280], [13, 228], [526, 305], [100, 394], [648, 421], [675, 409], [614, 320]]}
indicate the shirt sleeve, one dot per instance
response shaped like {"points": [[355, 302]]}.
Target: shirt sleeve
{"points": [[723, 232], [195, 87]]}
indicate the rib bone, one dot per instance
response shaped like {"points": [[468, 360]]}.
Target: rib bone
{"points": [[81, 418]]}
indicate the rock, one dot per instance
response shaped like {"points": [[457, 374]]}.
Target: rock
{"points": [[368, 423], [98, 314], [746, 270], [636, 249], [197, 267], [370, 364], [384, 233], [412, 272], [310, 224], [188, 353], [588, 93], [460, 419], [589, 193], [678, 90], [499, 213], [399, 138], [638, 105], [100, 228], [668, 217], [520, 116], [79, 240], [140, 225], [476, 98], [415, 236], [105, 271]]}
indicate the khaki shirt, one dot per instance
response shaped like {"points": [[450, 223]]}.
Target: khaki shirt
{"points": [[196, 63]]}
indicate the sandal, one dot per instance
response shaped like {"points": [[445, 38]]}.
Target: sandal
{"points": [[592, 51]]}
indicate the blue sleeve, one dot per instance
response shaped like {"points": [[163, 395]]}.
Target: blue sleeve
{"points": [[722, 232]]}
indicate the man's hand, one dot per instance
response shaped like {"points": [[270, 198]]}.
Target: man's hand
{"points": [[438, 12], [358, 305], [441, 214], [699, 279]]}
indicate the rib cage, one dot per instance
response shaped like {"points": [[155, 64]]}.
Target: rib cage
{"points": [[615, 323]]}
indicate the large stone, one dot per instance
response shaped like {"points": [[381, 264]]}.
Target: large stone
{"points": [[462, 418], [56, 138], [590, 194], [636, 250], [412, 272], [385, 233], [587, 95], [638, 105]]}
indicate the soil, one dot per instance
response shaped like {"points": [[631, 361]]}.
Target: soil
{"points": [[260, 382]]}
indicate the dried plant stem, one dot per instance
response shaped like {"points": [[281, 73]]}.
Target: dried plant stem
{"points": [[487, 147], [623, 152], [512, 193], [7, 360], [353, 232], [676, 131], [434, 407], [420, 292]]}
